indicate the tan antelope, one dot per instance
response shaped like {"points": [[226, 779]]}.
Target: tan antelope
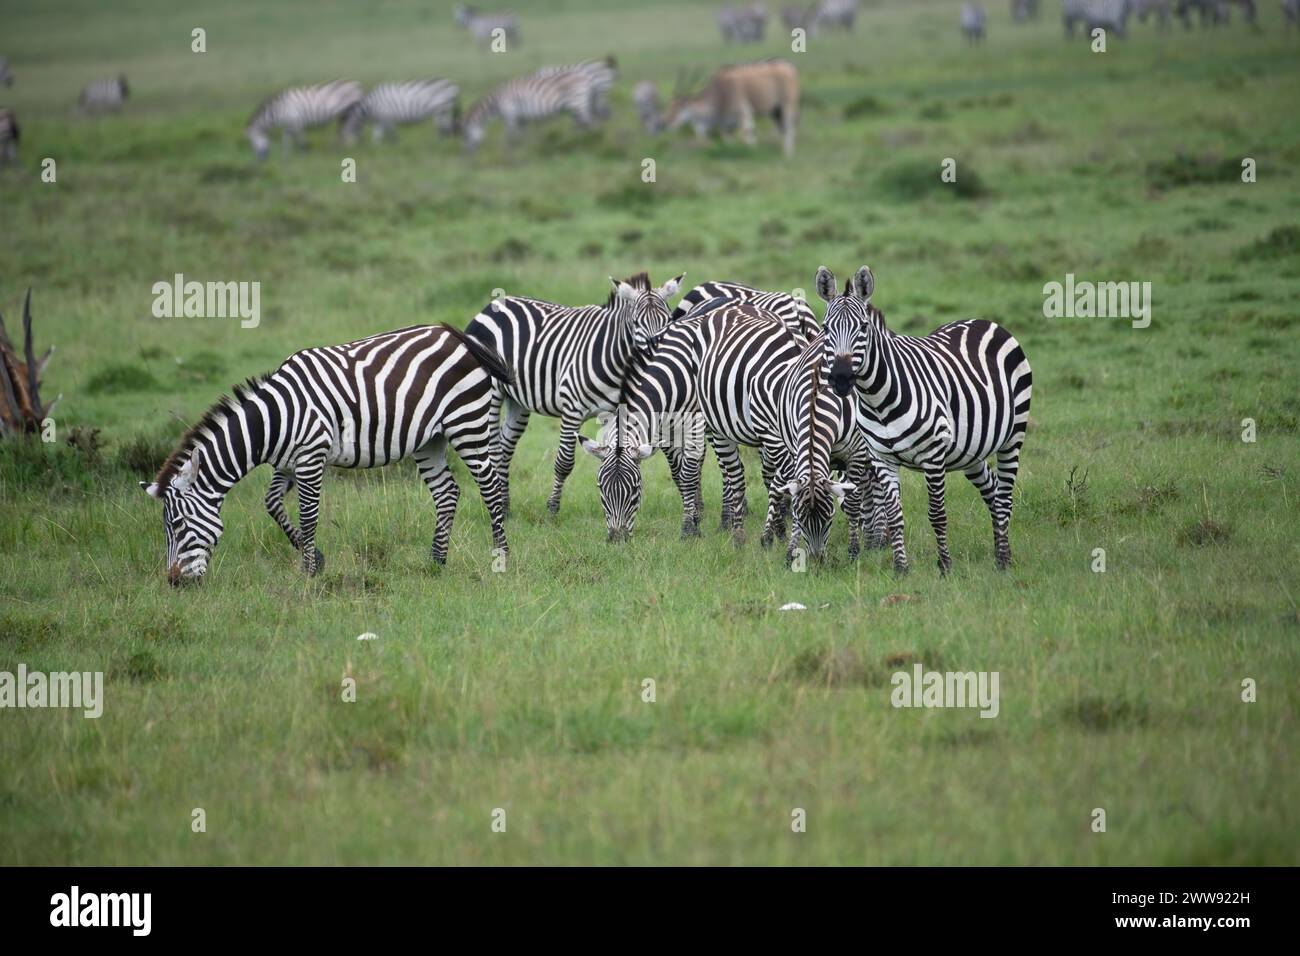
{"points": [[736, 95]]}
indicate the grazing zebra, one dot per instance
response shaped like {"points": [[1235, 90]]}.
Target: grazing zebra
{"points": [[568, 363], [821, 432], [1109, 15], [9, 135], [482, 25], [1022, 10], [794, 313], [300, 108], [972, 22], [409, 393], [835, 15], [944, 402], [6, 78], [716, 371], [579, 90], [745, 24], [104, 96], [600, 74], [399, 104]]}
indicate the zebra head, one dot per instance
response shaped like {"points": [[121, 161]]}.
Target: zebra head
{"points": [[619, 476], [812, 504], [260, 142], [191, 520], [848, 326], [648, 305]]}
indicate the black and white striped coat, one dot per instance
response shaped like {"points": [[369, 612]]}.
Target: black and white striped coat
{"points": [[794, 313], [9, 135], [719, 367], [569, 363], [390, 105], [104, 95], [1109, 15], [483, 26], [409, 393], [300, 108], [743, 24], [581, 90], [972, 22], [6, 77], [944, 402], [835, 15]]}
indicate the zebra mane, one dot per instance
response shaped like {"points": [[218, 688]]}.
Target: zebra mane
{"points": [[640, 282], [211, 420]]}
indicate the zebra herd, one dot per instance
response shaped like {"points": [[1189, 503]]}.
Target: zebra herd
{"points": [[835, 410]]}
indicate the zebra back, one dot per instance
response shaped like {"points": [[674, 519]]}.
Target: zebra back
{"points": [[793, 313]]}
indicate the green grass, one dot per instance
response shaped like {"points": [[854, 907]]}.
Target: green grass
{"points": [[521, 690]]}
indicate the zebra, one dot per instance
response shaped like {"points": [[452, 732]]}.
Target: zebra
{"points": [[9, 135], [1022, 10], [398, 104], [409, 393], [746, 24], [578, 90], [972, 22], [568, 363], [1096, 14], [105, 95], [645, 97], [6, 78], [1143, 9], [1291, 12], [711, 375], [482, 25], [793, 312], [835, 14], [600, 74], [299, 108], [944, 402], [821, 431]]}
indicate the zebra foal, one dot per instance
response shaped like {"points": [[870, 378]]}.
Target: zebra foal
{"points": [[409, 393]]}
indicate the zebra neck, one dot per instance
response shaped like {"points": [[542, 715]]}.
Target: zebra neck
{"points": [[226, 456], [484, 110], [877, 386]]}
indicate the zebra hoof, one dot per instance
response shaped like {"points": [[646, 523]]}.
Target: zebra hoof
{"points": [[318, 563], [767, 540], [900, 569], [553, 506], [439, 559]]}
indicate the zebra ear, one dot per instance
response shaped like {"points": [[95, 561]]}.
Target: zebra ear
{"points": [[864, 284], [644, 452], [150, 489], [841, 488], [669, 288], [595, 449], [790, 488], [826, 283]]}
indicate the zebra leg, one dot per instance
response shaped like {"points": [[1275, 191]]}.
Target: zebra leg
{"points": [[856, 503], [1008, 466], [888, 476], [986, 483], [281, 482], [478, 460], [680, 467], [432, 462], [773, 460], [733, 482], [512, 429], [563, 460], [934, 485], [309, 476]]}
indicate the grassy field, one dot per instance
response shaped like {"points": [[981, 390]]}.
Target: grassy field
{"points": [[522, 690]]}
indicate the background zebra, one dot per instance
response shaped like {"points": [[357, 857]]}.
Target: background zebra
{"points": [[724, 363], [104, 96], [835, 15], [944, 402], [1291, 12], [297, 109], [972, 22], [9, 135], [568, 363], [6, 78], [1022, 10], [409, 393], [794, 314], [581, 90], [743, 24], [389, 105], [1109, 15], [645, 97], [482, 25], [1144, 9]]}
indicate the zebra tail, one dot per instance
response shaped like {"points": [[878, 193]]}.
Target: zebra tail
{"points": [[486, 356]]}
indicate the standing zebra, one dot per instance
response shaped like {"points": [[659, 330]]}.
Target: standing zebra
{"points": [[1109, 15], [1143, 9], [944, 402], [1291, 12], [836, 14], [1022, 10], [297, 109], [6, 78], [568, 363], [9, 136], [399, 104], [794, 313], [579, 90], [724, 364], [745, 24], [104, 96], [483, 25], [409, 393], [645, 97], [972, 22]]}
